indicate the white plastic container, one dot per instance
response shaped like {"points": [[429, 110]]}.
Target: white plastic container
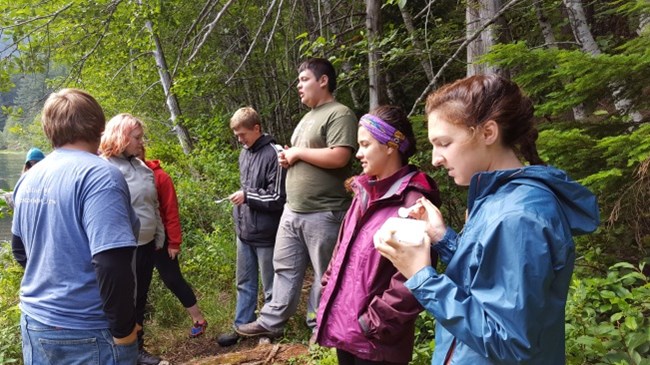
{"points": [[407, 230]]}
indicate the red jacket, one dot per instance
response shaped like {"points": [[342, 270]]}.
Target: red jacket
{"points": [[168, 204], [365, 309]]}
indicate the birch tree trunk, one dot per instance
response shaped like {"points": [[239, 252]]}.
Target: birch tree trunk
{"points": [[417, 45], [374, 75], [170, 98], [476, 15], [579, 113], [644, 24], [583, 35]]}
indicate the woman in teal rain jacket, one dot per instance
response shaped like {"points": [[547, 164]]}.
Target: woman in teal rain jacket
{"points": [[501, 299]]}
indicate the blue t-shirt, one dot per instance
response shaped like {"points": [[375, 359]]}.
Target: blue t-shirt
{"points": [[69, 207]]}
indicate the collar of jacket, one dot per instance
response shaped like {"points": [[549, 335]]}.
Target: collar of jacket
{"points": [[262, 141]]}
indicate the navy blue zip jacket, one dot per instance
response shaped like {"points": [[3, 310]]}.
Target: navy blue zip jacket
{"points": [[262, 181]]}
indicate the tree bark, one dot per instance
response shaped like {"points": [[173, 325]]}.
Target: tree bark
{"points": [[374, 75], [417, 45], [583, 35], [170, 98], [579, 113], [345, 66], [477, 14], [644, 23], [468, 39]]}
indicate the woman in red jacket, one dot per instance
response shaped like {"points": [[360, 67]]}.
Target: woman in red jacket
{"points": [[365, 311], [166, 260]]}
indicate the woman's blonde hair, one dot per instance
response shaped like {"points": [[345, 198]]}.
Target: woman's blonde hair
{"points": [[116, 135]]}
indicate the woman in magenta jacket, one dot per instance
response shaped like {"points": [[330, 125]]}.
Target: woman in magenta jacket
{"points": [[365, 311]]}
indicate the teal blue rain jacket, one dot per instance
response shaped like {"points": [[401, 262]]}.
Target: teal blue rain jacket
{"points": [[502, 298]]}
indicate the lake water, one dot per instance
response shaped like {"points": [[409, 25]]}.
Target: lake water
{"points": [[11, 164]]}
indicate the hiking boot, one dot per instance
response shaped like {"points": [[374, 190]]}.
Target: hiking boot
{"points": [[228, 339], [198, 329], [254, 329], [145, 358]]}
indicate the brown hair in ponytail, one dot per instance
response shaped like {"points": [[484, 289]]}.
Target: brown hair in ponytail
{"points": [[477, 99]]}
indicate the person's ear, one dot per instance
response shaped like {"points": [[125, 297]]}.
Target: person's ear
{"points": [[257, 128], [490, 132], [323, 81]]}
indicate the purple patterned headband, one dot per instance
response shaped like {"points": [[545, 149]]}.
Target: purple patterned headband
{"points": [[384, 132]]}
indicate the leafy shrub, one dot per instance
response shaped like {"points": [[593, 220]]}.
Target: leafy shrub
{"points": [[323, 355], [424, 339], [10, 276], [607, 318]]}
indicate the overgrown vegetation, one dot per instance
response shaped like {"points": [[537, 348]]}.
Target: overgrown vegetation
{"points": [[249, 58]]}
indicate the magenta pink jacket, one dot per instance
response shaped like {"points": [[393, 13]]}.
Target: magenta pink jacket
{"points": [[365, 309]]}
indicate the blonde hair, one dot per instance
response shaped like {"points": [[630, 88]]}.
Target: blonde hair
{"points": [[116, 136], [72, 115], [246, 117]]}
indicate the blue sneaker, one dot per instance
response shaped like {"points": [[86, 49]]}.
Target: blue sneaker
{"points": [[198, 329]]}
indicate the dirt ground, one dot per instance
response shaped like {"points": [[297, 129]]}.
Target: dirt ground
{"points": [[205, 351]]}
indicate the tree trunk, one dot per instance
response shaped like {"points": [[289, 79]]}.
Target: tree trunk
{"points": [[544, 25], [391, 95], [170, 98], [579, 113], [580, 28], [374, 75], [583, 35], [345, 66], [310, 21], [477, 13], [356, 99], [417, 45], [644, 24]]}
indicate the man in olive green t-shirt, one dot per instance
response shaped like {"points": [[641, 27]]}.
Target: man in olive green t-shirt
{"points": [[318, 164]]}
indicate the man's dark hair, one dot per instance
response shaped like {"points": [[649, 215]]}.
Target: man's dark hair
{"points": [[320, 67]]}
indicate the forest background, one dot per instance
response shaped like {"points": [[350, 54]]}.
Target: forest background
{"points": [[185, 66]]}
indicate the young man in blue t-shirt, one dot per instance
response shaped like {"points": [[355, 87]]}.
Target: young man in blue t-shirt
{"points": [[73, 232]]}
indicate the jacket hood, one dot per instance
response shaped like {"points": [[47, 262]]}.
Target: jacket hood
{"points": [[153, 164], [578, 204], [262, 141]]}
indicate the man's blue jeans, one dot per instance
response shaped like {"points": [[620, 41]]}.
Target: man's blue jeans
{"points": [[43, 344], [252, 262]]}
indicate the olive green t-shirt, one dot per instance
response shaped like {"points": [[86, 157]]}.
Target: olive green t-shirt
{"points": [[311, 188]]}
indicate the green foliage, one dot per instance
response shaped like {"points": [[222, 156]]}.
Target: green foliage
{"points": [[559, 79], [627, 150], [104, 48], [208, 251], [607, 317], [424, 339], [323, 355], [10, 275], [605, 157], [570, 150]]}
